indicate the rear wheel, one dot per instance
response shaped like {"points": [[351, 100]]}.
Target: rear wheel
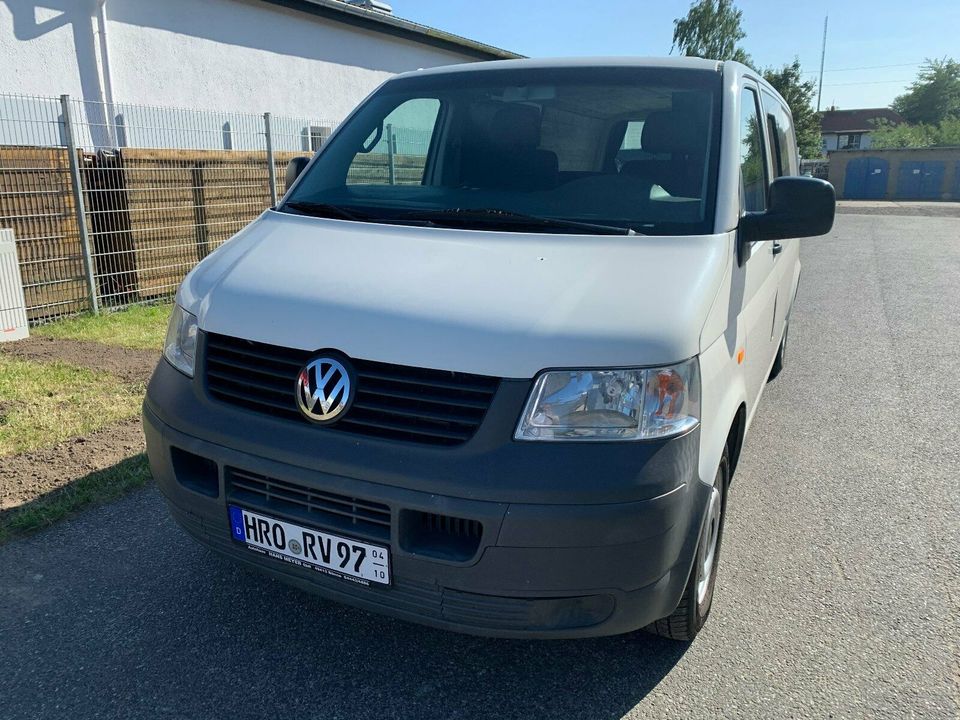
{"points": [[687, 620]]}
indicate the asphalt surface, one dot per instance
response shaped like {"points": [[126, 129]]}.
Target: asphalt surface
{"points": [[838, 592]]}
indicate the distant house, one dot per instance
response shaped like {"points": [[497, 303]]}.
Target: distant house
{"points": [[850, 129]]}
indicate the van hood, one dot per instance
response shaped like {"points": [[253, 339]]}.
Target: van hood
{"points": [[492, 303]]}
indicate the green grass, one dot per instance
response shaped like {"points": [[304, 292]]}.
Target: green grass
{"points": [[44, 403], [140, 326], [93, 489]]}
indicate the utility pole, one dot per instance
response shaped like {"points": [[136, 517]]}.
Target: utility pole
{"points": [[823, 55]]}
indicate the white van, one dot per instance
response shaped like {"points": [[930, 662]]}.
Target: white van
{"points": [[489, 364]]}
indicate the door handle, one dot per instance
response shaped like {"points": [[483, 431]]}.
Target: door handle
{"points": [[777, 248]]}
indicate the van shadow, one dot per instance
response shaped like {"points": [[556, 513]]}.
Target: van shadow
{"points": [[161, 622]]}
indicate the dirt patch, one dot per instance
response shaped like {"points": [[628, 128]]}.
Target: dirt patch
{"points": [[29, 475], [133, 366], [46, 484]]}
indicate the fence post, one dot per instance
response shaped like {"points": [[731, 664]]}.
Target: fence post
{"points": [[391, 152], [271, 166], [77, 186]]}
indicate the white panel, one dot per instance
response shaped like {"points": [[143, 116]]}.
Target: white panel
{"points": [[13, 312]]}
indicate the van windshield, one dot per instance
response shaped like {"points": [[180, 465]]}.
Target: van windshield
{"points": [[573, 150]]}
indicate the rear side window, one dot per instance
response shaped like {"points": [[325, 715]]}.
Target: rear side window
{"points": [[572, 136], [753, 179], [781, 137], [631, 148], [632, 136]]}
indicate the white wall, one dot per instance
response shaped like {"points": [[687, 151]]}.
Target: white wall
{"points": [[39, 46], [831, 141], [236, 55], [252, 57]]}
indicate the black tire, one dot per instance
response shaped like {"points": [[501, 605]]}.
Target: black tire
{"points": [[781, 360], [688, 619]]}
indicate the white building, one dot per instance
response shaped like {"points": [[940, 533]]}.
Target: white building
{"points": [[850, 129], [302, 58]]}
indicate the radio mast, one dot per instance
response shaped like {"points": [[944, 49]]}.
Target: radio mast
{"points": [[823, 54]]}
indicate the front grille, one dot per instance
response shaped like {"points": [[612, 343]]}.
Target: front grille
{"points": [[398, 402], [445, 525], [317, 506]]}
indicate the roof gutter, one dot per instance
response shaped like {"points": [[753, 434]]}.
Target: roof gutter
{"points": [[374, 21]]}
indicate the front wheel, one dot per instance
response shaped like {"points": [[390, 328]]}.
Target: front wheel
{"points": [[688, 619]]}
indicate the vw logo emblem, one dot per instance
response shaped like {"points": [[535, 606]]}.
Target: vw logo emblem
{"points": [[323, 389]]}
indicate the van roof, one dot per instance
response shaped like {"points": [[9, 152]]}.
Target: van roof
{"points": [[689, 63]]}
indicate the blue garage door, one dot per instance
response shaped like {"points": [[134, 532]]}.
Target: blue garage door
{"points": [[956, 182], [866, 179], [920, 180]]}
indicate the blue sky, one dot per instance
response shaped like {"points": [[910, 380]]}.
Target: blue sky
{"points": [[894, 34]]}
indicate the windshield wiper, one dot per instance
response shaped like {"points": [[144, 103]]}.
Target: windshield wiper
{"points": [[338, 211], [496, 215], [324, 210]]}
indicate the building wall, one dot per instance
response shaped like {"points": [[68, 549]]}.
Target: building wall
{"points": [[831, 141], [238, 55], [901, 168], [39, 47]]}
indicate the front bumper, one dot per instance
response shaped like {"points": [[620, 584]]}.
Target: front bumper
{"points": [[576, 540]]}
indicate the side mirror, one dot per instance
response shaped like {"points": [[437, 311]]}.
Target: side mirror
{"points": [[796, 207], [295, 167]]}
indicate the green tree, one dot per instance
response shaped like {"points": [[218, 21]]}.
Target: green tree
{"points": [[946, 133], [711, 29], [935, 94], [799, 93]]}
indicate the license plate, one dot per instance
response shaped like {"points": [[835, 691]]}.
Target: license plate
{"points": [[324, 552]]}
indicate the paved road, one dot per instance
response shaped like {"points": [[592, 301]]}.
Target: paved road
{"points": [[899, 207], [838, 590]]}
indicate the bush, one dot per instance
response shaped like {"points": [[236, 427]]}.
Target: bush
{"points": [[944, 134]]}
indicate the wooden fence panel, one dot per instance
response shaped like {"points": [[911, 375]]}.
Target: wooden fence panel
{"points": [[152, 214], [161, 189], [37, 203]]}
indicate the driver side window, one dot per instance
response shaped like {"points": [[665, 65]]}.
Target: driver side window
{"points": [[753, 181], [396, 152]]}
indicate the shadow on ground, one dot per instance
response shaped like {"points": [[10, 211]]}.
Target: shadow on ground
{"points": [[118, 613]]}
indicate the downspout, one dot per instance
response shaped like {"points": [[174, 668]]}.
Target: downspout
{"points": [[106, 81]]}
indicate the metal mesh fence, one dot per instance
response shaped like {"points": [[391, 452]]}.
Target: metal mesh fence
{"points": [[37, 203], [114, 204]]}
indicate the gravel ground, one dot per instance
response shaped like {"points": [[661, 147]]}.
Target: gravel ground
{"points": [[837, 595]]}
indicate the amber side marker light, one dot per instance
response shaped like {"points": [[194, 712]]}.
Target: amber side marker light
{"points": [[740, 355]]}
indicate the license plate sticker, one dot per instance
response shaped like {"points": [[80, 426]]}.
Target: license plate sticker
{"points": [[342, 557]]}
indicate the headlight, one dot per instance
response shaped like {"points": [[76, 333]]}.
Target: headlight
{"points": [[180, 347], [627, 404]]}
